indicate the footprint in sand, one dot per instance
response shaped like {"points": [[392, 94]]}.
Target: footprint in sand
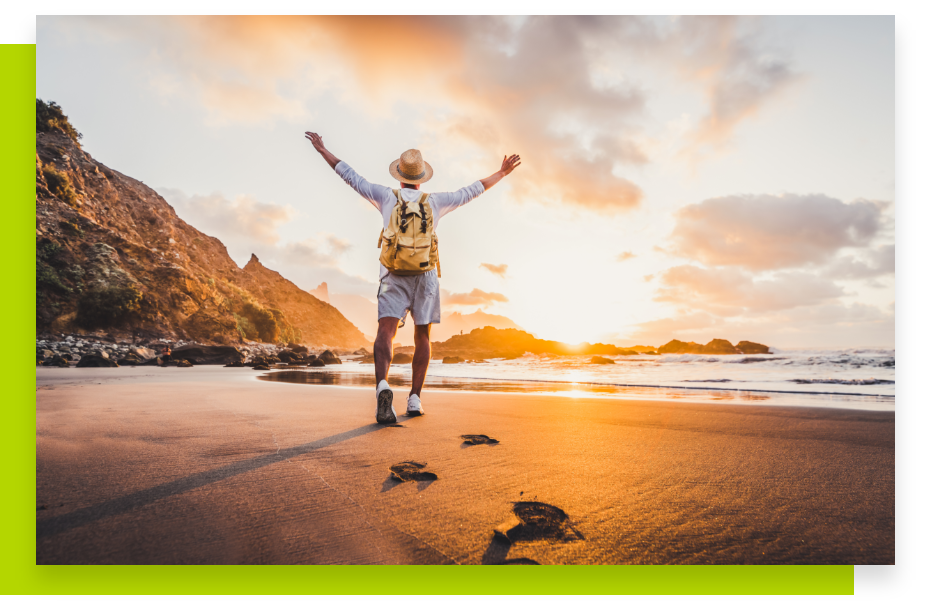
{"points": [[538, 521], [478, 439], [411, 471], [530, 522]]}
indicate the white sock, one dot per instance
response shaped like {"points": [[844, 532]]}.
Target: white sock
{"points": [[383, 385]]}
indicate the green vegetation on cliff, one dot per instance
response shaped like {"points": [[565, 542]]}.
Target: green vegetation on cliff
{"points": [[49, 118], [107, 306]]}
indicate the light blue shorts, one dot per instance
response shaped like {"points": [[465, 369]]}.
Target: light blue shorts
{"points": [[419, 294]]}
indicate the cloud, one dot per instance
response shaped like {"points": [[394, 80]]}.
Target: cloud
{"points": [[732, 292], [312, 252], [475, 297], [826, 325], [572, 95], [625, 256], [762, 232], [230, 219], [499, 270], [245, 226], [877, 262], [739, 77]]}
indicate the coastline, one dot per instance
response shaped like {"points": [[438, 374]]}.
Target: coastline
{"points": [[207, 466]]}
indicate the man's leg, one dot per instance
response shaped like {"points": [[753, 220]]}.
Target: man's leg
{"points": [[382, 348], [421, 358], [382, 355]]}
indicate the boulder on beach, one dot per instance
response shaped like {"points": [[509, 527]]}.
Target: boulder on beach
{"points": [[748, 347], [184, 364], [401, 358], [95, 361], [208, 354], [55, 360], [316, 362], [452, 360], [236, 365], [262, 367], [131, 359], [361, 352], [329, 357], [267, 360], [295, 347], [602, 360], [287, 355], [143, 353]]}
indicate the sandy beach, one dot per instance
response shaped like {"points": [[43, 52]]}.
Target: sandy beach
{"points": [[212, 466]]}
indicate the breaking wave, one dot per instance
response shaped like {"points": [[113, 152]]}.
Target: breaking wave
{"points": [[870, 381]]}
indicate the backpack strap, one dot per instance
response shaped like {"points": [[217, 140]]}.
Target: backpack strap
{"points": [[421, 207]]}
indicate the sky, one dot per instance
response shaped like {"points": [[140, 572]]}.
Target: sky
{"points": [[682, 178]]}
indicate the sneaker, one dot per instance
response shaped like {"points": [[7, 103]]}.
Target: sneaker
{"points": [[385, 414], [414, 405]]}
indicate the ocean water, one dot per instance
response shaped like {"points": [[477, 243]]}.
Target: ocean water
{"points": [[851, 378]]}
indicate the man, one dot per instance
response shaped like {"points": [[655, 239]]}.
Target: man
{"points": [[410, 281]]}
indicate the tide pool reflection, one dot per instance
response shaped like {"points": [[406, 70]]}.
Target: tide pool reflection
{"points": [[571, 389]]}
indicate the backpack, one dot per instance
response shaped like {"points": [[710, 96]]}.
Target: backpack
{"points": [[409, 245]]}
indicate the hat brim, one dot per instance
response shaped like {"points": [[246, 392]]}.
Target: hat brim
{"points": [[428, 173]]}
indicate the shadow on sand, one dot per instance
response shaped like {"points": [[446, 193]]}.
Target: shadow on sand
{"points": [[116, 506]]}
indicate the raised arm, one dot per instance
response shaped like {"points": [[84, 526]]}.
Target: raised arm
{"points": [[376, 194], [316, 141], [507, 166]]}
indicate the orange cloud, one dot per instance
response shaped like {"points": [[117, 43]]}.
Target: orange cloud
{"points": [[564, 92], [475, 297], [499, 270], [625, 256]]}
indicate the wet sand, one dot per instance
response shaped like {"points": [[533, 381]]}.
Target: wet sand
{"points": [[210, 465]]}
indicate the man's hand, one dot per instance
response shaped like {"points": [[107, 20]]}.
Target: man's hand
{"points": [[318, 143], [509, 163], [507, 166], [315, 139]]}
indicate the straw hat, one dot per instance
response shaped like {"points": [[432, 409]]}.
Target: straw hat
{"points": [[411, 168]]}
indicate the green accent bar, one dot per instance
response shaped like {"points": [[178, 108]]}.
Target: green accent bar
{"points": [[430, 580], [17, 310]]}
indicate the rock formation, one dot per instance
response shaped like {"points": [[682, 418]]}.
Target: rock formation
{"points": [[321, 292], [716, 346], [490, 342], [113, 257]]}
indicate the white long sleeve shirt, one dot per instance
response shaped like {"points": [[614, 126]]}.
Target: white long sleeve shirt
{"points": [[384, 199]]}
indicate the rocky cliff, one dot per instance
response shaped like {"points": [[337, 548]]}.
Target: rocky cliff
{"points": [[113, 258]]}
